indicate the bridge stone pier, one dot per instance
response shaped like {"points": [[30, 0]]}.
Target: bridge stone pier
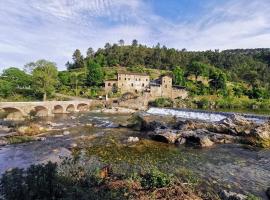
{"points": [[18, 110]]}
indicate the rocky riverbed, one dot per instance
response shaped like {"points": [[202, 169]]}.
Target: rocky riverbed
{"points": [[203, 133], [222, 167]]}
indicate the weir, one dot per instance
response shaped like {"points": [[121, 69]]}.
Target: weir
{"points": [[211, 116]]}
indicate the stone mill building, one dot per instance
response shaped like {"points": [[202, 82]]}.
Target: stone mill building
{"points": [[140, 83]]}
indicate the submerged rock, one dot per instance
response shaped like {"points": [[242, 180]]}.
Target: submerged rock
{"points": [[226, 195]]}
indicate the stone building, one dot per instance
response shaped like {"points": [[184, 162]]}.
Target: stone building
{"points": [[140, 83]]}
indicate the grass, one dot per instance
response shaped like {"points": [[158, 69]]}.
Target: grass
{"points": [[19, 139]]}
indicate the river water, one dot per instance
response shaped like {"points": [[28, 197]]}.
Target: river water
{"points": [[232, 166]]}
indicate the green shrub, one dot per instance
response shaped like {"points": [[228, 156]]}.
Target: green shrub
{"points": [[156, 179], [37, 182], [203, 103], [162, 102]]}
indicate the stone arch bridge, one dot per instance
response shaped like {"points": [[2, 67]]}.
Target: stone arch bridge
{"points": [[17, 110]]}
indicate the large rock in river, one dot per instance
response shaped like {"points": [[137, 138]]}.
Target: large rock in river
{"points": [[164, 135], [260, 135], [234, 125]]}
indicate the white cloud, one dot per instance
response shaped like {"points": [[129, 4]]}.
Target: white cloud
{"points": [[50, 29]]}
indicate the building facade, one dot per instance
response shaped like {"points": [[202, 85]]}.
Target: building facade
{"points": [[140, 83]]}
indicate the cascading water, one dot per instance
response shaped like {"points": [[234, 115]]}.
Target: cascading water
{"points": [[207, 116]]}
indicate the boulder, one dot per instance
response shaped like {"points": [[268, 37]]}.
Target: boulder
{"points": [[226, 195], [260, 135], [235, 124], [181, 140], [198, 137], [164, 135], [133, 139]]}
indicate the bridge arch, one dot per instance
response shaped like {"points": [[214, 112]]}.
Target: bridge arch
{"points": [[13, 113], [58, 109], [82, 107], [40, 111], [70, 108]]}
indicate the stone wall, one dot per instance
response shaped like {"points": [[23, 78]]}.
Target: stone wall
{"points": [[179, 93], [110, 85], [132, 82]]}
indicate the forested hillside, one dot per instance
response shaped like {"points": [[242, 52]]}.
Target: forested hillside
{"points": [[249, 65]]}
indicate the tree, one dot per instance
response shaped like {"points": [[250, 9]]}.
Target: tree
{"points": [[121, 42], [78, 60], [6, 88], [178, 76], [17, 77], [90, 53], [251, 77], [95, 73], [197, 69], [135, 43], [45, 77], [218, 82]]}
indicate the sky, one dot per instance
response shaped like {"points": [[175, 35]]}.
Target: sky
{"points": [[53, 29]]}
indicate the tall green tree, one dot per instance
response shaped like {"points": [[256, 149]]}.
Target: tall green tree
{"points": [[78, 60], [218, 82], [45, 77], [178, 76], [17, 77], [90, 53], [197, 69], [95, 73], [6, 88]]}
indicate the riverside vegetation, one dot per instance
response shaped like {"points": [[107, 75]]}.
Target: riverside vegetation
{"points": [[229, 79]]}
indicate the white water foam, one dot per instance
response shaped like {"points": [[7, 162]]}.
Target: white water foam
{"points": [[212, 117]]}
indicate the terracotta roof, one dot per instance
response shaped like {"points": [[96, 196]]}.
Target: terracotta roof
{"points": [[133, 73]]}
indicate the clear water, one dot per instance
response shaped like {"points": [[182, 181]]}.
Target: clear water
{"points": [[231, 166]]}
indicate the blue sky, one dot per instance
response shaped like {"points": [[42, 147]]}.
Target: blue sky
{"points": [[53, 29]]}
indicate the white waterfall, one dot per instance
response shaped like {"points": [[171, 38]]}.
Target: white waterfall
{"points": [[207, 116]]}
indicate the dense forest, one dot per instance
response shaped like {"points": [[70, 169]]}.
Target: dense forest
{"points": [[230, 73], [249, 65]]}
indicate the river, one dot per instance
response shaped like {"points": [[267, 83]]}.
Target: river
{"points": [[231, 166]]}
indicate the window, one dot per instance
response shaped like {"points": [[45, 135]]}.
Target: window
{"points": [[129, 79], [165, 86], [131, 84], [119, 78], [146, 79], [136, 79], [143, 84], [139, 79]]}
